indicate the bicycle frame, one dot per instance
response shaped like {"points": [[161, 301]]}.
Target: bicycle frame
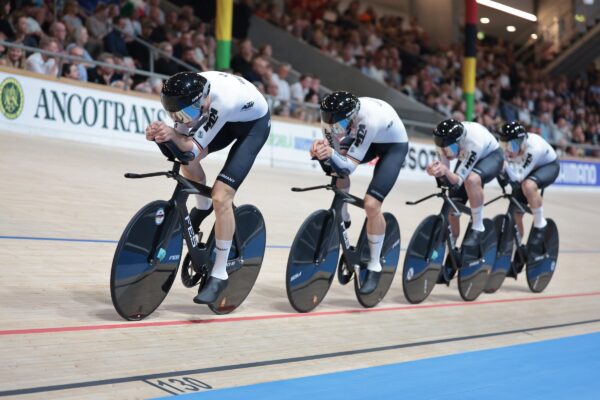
{"points": [[351, 254], [513, 205], [448, 206], [200, 255]]}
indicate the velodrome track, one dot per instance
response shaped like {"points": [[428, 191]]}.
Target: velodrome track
{"points": [[65, 204]]}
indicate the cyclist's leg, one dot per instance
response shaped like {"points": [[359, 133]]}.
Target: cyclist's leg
{"points": [[539, 179], [457, 195], [484, 171], [251, 137], [391, 158], [517, 215]]}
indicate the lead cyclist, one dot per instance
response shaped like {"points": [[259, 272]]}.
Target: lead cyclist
{"points": [[211, 110]]}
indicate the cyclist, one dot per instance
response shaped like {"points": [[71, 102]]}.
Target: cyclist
{"points": [[480, 160], [532, 164], [357, 130], [210, 110]]}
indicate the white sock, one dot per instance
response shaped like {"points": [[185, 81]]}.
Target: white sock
{"points": [[202, 202], [477, 218], [538, 217], [222, 248], [375, 245]]}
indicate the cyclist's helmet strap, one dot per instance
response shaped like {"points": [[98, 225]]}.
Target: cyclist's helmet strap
{"points": [[512, 130], [448, 132], [183, 90]]}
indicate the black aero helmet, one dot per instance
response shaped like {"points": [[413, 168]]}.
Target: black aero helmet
{"points": [[339, 108], [182, 96], [512, 138], [448, 132], [512, 130]]}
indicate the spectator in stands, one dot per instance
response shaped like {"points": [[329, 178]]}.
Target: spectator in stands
{"points": [[314, 90], [265, 51], [138, 52], [98, 23], [114, 41], [189, 57], [131, 25], [185, 42], [104, 75], [78, 51], [242, 61], [154, 11], [71, 16], [70, 71], [14, 58], [37, 16], [165, 65], [150, 86], [299, 90], [42, 63], [22, 34], [283, 87], [58, 31], [258, 71], [5, 26]]}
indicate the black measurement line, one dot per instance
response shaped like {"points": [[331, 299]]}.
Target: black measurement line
{"points": [[77, 385]]}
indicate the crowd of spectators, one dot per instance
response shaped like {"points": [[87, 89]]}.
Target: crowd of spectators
{"points": [[389, 49], [104, 31], [399, 53]]}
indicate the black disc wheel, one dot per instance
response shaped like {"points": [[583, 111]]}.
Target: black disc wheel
{"points": [[475, 269], [502, 265], [312, 261], [424, 259], [539, 271], [144, 268], [245, 260], [390, 256]]}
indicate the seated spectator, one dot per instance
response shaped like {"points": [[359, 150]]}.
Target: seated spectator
{"points": [[258, 71], [42, 63], [314, 90], [14, 58], [153, 7], [104, 75], [242, 61], [22, 34], [131, 26], [98, 23], [150, 86], [71, 16], [283, 87], [165, 65], [188, 56], [5, 26], [58, 31], [299, 90], [77, 51], [114, 41], [36, 17], [70, 71], [184, 42]]}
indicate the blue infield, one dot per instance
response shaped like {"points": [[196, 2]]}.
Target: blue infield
{"points": [[567, 368]]}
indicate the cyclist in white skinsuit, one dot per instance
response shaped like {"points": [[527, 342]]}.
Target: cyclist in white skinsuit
{"points": [[479, 161], [532, 164], [210, 111], [357, 130]]}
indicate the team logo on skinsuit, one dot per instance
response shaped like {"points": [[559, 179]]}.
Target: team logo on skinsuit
{"points": [[11, 98]]}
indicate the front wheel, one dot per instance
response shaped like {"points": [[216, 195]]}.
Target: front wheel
{"points": [[390, 255], [143, 270], [423, 260], [312, 261]]}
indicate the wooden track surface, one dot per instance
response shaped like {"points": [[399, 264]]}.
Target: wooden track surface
{"points": [[62, 189]]}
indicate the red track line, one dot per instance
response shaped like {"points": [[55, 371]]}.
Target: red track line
{"points": [[279, 316]]}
